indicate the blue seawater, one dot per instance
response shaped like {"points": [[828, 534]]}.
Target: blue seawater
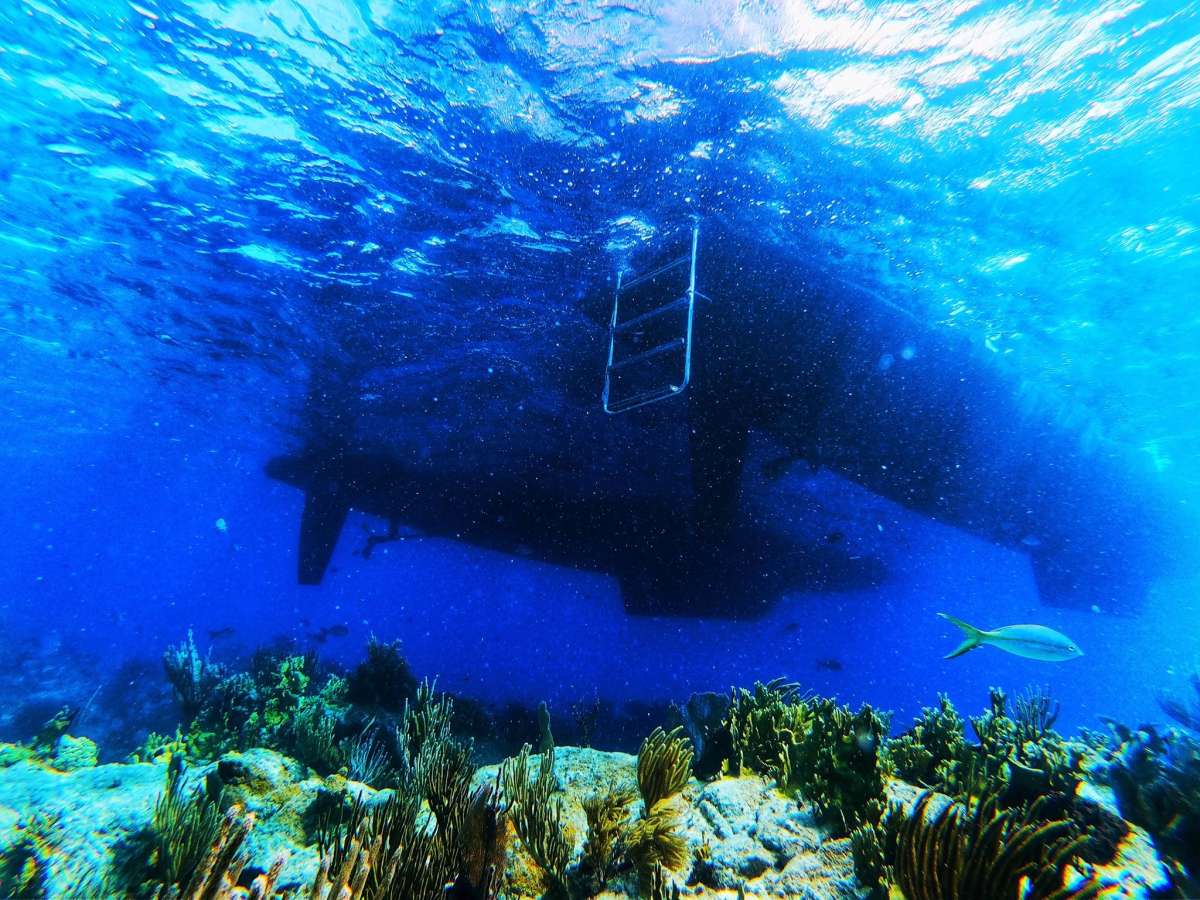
{"points": [[209, 207]]}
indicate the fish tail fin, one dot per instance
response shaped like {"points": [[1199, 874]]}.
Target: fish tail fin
{"points": [[974, 636]]}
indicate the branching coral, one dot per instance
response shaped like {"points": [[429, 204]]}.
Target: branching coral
{"points": [[193, 676], [606, 816], [762, 724], [427, 718], [978, 850], [367, 758], [1156, 779], [1035, 713], [314, 737], [383, 680], [664, 765], [660, 887], [654, 841], [482, 845], [383, 851], [185, 825], [220, 868], [935, 740], [536, 814], [442, 772], [24, 861], [836, 764]]}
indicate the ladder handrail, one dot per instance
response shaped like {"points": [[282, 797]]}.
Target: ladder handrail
{"points": [[616, 326]]}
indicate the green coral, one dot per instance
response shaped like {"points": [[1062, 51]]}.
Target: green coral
{"points": [[274, 705], [1026, 759], [74, 753], [282, 692], [813, 747], [606, 816], [838, 765], [935, 740], [762, 725], [1156, 779], [979, 849], [654, 842], [536, 814], [1018, 754], [664, 766]]}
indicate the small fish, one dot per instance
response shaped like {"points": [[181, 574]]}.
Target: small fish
{"points": [[217, 634], [329, 631], [830, 664], [1030, 641]]}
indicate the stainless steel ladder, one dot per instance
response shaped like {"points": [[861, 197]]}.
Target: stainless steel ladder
{"points": [[650, 334]]}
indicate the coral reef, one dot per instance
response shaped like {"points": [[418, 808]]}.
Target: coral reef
{"points": [[381, 797], [1020, 753], [536, 814], [935, 740], [383, 681], [664, 766], [607, 814], [1155, 777], [761, 725], [978, 850]]}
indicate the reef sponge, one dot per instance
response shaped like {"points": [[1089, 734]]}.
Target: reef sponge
{"points": [[703, 718], [978, 850], [664, 765], [536, 814]]}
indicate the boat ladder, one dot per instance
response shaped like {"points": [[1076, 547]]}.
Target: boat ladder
{"points": [[650, 333]]}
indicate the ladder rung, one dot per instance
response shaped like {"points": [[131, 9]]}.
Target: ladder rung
{"points": [[673, 344], [646, 316], [625, 285], [642, 398]]}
